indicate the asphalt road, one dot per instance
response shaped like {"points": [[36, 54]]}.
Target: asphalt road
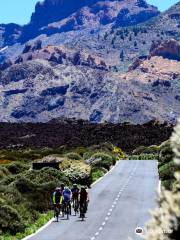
{"points": [[119, 203]]}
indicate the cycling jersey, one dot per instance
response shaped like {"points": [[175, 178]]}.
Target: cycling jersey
{"points": [[67, 195], [57, 198], [83, 196], [75, 192]]}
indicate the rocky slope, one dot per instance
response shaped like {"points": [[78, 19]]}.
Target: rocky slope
{"points": [[98, 71], [45, 87]]}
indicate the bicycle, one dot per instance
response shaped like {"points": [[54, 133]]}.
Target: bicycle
{"points": [[56, 211], [67, 208], [75, 205], [83, 210]]}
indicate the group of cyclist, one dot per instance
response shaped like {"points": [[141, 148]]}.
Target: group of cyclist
{"points": [[64, 199]]}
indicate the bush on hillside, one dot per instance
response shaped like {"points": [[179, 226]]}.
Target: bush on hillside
{"points": [[147, 150], [10, 220], [167, 170], [103, 160], [73, 156], [166, 154], [87, 155], [119, 152], [3, 172], [143, 157], [17, 167], [97, 173], [46, 175], [77, 171], [10, 195], [80, 150]]}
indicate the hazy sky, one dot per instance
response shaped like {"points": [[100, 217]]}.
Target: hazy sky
{"points": [[19, 11]]}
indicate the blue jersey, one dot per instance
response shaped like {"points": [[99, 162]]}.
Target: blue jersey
{"points": [[67, 195]]}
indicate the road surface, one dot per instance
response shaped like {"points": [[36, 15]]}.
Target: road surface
{"points": [[119, 203]]}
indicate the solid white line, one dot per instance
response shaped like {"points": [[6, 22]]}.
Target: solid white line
{"points": [[159, 187], [39, 230]]}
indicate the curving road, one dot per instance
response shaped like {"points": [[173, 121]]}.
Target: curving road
{"points": [[119, 203]]}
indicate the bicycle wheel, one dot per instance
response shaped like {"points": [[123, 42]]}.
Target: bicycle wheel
{"points": [[75, 209], [67, 210], [82, 212], [56, 213]]}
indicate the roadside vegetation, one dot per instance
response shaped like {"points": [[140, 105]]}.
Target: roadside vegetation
{"points": [[165, 155], [165, 223], [25, 194]]}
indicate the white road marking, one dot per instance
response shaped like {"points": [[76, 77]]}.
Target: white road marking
{"points": [[117, 198]]}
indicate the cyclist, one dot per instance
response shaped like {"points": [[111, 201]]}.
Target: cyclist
{"points": [[67, 200], [57, 196], [75, 197], [57, 199], [83, 201]]}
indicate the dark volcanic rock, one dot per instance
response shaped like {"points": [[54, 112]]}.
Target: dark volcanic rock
{"points": [[83, 133]]}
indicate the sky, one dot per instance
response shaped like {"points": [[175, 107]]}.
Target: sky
{"points": [[19, 11]]}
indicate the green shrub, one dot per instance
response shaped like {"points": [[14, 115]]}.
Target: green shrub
{"points": [[119, 152], [80, 150], [97, 173], [17, 167], [87, 155], [167, 170], [10, 194], [147, 150], [77, 171], [46, 175], [10, 220], [166, 154], [3, 172], [73, 156], [167, 184], [143, 157], [102, 160]]}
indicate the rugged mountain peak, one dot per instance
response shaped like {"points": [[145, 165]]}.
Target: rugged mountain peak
{"points": [[69, 14]]}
